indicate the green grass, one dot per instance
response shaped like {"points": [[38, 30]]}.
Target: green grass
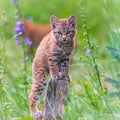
{"points": [[85, 101]]}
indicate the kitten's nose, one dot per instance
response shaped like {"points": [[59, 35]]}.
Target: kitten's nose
{"points": [[64, 37]]}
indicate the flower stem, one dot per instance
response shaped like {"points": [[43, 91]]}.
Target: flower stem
{"points": [[90, 46]]}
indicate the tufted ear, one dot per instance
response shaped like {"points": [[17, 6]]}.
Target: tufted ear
{"points": [[72, 21], [53, 21]]}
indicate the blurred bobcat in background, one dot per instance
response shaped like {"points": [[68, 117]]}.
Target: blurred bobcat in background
{"points": [[35, 32]]}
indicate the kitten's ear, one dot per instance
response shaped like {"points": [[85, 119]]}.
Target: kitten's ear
{"points": [[72, 21], [53, 21]]}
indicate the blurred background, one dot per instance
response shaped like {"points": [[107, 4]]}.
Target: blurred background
{"points": [[84, 102]]}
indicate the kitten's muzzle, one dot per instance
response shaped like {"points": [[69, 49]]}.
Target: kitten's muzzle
{"points": [[64, 37]]}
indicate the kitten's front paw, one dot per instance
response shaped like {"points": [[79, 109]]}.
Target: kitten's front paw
{"points": [[64, 77], [61, 77], [56, 78], [38, 115]]}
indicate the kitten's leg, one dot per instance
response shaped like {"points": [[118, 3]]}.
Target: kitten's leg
{"points": [[54, 66], [38, 86], [37, 90], [64, 68]]}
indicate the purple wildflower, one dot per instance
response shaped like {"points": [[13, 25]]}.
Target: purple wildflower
{"points": [[88, 52], [17, 31], [18, 24], [28, 41], [17, 41], [23, 31], [14, 1], [19, 28]]}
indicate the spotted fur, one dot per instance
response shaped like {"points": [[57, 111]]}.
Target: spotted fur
{"points": [[53, 57]]}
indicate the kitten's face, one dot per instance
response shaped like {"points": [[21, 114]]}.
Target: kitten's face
{"points": [[63, 29]]}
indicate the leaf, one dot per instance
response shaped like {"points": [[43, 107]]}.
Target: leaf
{"points": [[115, 83], [115, 53], [1, 67], [21, 118], [114, 94]]}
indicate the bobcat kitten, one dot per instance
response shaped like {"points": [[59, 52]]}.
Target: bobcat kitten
{"points": [[53, 57]]}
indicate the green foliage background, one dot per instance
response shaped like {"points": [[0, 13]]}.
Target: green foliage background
{"points": [[85, 102]]}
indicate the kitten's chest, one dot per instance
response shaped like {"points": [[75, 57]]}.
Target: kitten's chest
{"points": [[65, 50]]}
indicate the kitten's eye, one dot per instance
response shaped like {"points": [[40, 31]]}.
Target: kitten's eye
{"points": [[68, 32], [59, 33]]}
